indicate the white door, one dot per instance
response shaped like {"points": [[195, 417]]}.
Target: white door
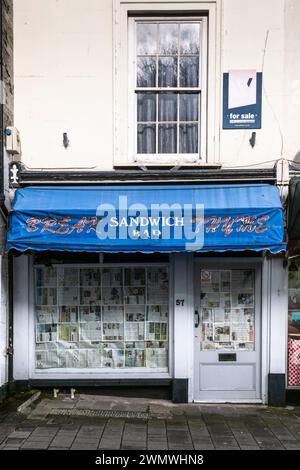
{"points": [[227, 362]]}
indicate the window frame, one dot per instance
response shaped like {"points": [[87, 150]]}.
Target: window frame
{"points": [[132, 372], [123, 10], [201, 91]]}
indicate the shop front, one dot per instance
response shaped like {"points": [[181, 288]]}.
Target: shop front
{"points": [[293, 313], [179, 286]]}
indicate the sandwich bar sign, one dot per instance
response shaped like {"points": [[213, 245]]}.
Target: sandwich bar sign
{"points": [[242, 92], [146, 219]]}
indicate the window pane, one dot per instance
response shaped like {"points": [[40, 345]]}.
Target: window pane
{"points": [[168, 38], [133, 334], [146, 138], [189, 38], [188, 138], [227, 309], [167, 138], [167, 72], [146, 72], [146, 38], [189, 72], [188, 107], [167, 107], [146, 107]]}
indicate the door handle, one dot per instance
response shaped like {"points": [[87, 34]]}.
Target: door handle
{"points": [[198, 319]]}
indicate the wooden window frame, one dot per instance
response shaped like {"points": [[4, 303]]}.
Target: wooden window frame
{"points": [[124, 139]]}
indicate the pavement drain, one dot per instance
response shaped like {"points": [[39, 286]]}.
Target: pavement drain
{"points": [[99, 413]]}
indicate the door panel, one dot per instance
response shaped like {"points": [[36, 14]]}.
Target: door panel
{"points": [[227, 333], [215, 377]]}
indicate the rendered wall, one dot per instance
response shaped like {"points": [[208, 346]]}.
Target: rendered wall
{"points": [[64, 79]]}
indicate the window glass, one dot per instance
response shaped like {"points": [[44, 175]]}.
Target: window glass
{"points": [[101, 317], [168, 65], [227, 301]]}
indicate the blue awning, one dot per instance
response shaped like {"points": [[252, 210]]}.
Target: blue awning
{"points": [[147, 219]]}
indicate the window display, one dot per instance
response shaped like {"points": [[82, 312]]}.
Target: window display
{"points": [[101, 317], [227, 309], [294, 324]]}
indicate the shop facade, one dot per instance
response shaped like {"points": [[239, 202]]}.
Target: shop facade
{"points": [[191, 298], [293, 313]]}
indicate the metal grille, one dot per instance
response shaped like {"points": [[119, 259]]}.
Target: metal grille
{"points": [[99, 413]]}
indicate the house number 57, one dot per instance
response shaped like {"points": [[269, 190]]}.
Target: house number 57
{"points": [[180, 302]]}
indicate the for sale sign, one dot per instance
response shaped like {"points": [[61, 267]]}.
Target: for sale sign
{"points": [[242, 91]]}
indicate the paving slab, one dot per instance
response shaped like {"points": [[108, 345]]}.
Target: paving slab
{"points": [[165, 425]]}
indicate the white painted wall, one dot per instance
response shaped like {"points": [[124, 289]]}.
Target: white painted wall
{"points": [[274, 319], [253, 38], [183, 323], [278, 317], [64, 79], [63, 72], [292, 80]]}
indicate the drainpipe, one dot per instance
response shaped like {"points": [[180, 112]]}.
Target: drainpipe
{"points": [[282, 177]]}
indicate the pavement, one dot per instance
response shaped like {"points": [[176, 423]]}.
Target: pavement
{"points": [[91, 422]]}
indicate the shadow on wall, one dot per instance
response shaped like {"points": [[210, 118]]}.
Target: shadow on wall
{"points": [[297, 157]]}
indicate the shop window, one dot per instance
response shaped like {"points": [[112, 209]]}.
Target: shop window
{"points": [[227, 309], [101, 318], [294, 324]]}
